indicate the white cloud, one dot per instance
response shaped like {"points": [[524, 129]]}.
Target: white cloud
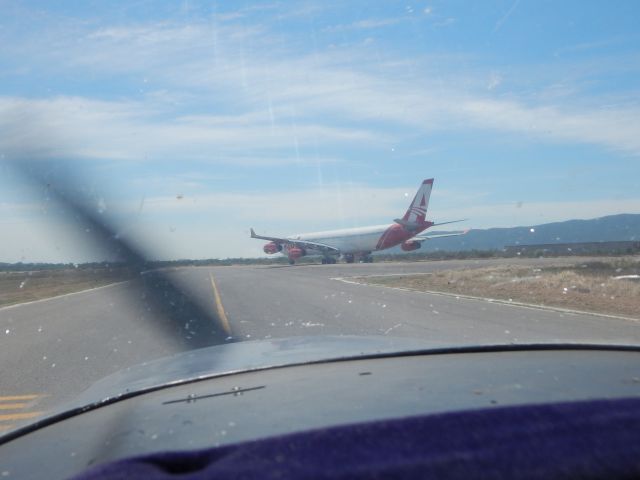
{"points": [[366, 24], [615, 128], [495, 79], [85, 128], [344, 204], [277, 97]]}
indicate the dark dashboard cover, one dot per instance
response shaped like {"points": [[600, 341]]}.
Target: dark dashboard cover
{"points": [[589, 439]]}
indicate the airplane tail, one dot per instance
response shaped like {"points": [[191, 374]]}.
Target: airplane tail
{"points": [[418, 209]]}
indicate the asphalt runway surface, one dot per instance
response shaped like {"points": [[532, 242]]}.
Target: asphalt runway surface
{"points": [[53, 349]]}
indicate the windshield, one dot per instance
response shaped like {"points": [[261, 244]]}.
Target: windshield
{"points": [[183, 174]]}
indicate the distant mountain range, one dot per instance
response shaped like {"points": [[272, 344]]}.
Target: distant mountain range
{"points": [[621, 227]]}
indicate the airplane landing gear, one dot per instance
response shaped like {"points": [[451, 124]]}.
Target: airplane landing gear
{"points": [[328, 260], [349, 258], [367, 258]]}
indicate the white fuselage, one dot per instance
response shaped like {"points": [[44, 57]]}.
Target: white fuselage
{"points": [[347, 240]]}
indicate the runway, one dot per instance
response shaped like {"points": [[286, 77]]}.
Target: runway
{"points": [[52, 350]]}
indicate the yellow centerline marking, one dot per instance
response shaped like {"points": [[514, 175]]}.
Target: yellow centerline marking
{"points": [[219, 308], [19, 416], [13, 406], [14, 398]]}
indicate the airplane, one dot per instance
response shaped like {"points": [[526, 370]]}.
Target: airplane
{"points": [[358, 243]]}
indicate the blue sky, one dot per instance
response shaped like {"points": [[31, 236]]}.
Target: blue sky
{"points": [[192, 121]]}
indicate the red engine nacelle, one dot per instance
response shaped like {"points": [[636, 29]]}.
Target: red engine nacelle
{"points": [[410, 245], [272, 247], [295, 253]]}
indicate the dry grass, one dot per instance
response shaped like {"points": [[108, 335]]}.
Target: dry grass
{"points": [[18, 287], [583, 286]]}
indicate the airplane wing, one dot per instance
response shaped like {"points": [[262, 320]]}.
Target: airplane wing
{"points": [[328, 249], [416, 226], [422, 238], [451, 221]]}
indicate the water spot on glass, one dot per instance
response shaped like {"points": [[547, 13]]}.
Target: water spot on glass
{"points": [[310, 324], [53, 365], [7, 331], [102, 205], [154, 436]]}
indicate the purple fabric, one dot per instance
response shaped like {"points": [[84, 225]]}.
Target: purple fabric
{"points": [[595, 439]]}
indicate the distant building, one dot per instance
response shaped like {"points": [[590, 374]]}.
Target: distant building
{"points": [[624, 247]]}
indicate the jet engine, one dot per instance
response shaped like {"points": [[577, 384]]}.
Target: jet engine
{"points": [[410, 245], [272, 247], [295, 253]]}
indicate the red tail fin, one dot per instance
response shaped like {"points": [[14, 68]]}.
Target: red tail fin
{"points": [[418, 208]]}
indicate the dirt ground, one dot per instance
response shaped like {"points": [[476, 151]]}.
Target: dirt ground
{"points": [[586, 285], [18, 287]]}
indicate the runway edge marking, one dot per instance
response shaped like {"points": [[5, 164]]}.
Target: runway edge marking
{"points": [[532, 306], [40, 300]]}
